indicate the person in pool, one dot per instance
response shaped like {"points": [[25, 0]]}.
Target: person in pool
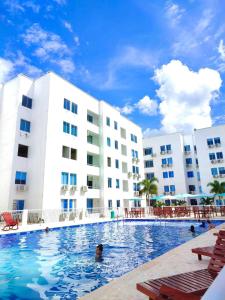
{"points": [[210, 225], [203, 224], [98, 252], [192, 229]]}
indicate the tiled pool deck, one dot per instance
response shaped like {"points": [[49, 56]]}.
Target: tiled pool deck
{"points": [[178, 260]]}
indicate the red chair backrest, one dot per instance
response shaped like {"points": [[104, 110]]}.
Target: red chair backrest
{"points": [[7, 216], [217, 261]]}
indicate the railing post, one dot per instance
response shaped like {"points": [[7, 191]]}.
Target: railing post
{"points": [[24, 217]]}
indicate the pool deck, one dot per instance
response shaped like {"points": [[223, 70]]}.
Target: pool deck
{"points": [[178, 260]]}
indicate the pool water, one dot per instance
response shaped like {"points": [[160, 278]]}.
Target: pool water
{"points": [[61, 264]]}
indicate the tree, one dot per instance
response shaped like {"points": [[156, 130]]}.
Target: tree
{"points": [[217, 187], [149, 188], [207, 201]]}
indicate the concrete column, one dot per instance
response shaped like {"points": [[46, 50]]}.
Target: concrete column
{"points": [[24, 217]]}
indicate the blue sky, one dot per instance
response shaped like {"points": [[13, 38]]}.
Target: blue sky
{"points": [[161, 63]]}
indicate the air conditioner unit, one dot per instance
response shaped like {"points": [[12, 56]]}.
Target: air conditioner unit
{"points": [[21, 187], [164, 166], [215, 176], [220, 160], [211, 146], [169, 151], [162, 152], [213, 161], [73, 188], [129, 174], [64, 187], [217, 144], [153, 154], [84, 188]]}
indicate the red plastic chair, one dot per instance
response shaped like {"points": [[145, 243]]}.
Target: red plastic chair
{"points": [[10, 223]]}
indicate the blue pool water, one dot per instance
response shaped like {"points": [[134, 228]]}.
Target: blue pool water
{"points": [[61, 264]]}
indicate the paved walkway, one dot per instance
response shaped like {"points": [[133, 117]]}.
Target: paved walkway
{"points": [[173, 262]]}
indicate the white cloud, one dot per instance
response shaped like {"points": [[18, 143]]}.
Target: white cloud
{"points": [[147, 106], [221, 50], [6, 68], [68, 26], [127, 109], [16, 6], [151, 132], [23, 62], [60, 2], [186, 96], [77, 40], [174, 12], [49, 46]]}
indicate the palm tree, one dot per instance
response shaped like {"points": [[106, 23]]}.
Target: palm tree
{"points": [[149, 188], [217, 187]]}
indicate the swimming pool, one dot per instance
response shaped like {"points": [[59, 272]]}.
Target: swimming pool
{"points": [[61, 264]]}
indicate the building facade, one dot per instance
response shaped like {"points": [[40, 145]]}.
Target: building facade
{"points": [[62, 148], [186, 163]]}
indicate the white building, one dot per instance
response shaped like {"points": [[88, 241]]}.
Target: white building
{"points": [[61, 148], [186, 163]]}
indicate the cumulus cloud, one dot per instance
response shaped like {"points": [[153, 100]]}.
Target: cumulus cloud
{"points": [[147, 106], [49, 46], [186, 96], [127, 109], [6, 68]]}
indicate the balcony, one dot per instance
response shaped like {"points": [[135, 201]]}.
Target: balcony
{"points": [[93, 160], [187, 152], [92, 138], [92, 118], [215, 161], [21, 187], [169, 151], [93, 182]]}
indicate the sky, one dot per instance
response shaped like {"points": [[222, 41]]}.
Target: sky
{"points": [[160, 63]]}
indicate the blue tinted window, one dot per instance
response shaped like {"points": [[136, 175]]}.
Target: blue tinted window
{"points": [[222, 170], [26, 102], [214, 171], [187, 148], [210, 141], [162, 148], [190, 174], [148, 163], [217, 140], [115, 125], [109, 182], [21, 177], [188, 161], [170, 160], [117, 183], [66, 127], [117, 203], [66, 104], [74, 130], [147, 151], [64, 178], [74, 108], [90, 118], [149, 175], [166, 188], [219, 155], [107, 121], [116, 145], [212, 156], [171, 174], [24, 125], [191, 188], [164, 162], [133, 169], [168, 147], [172, 188], [117, 163], [108, 141], [165, 174], [73, 179], [64, 204]]}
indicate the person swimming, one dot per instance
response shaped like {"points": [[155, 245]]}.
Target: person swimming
{"points": [[98, 252], [46, 229], [192, 229], [203, 224], [210, 225]]}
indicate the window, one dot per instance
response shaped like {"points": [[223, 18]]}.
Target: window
{"points": [[217, 140], [117, 203], [64, 178], [196, 161], [90, 118], [190, 174], [209, 142], [66, 104], [26, 102], [164, 161], [90, 139], [73, 154], [169, 161], [116, 145], [149, 175], [221, 170], [109, 204], [137, 170], [135, 187], [123, 133], [166, 188], [134, 153], [212, 156], [168, 148], [21, 177], [162, 148], [187, 148], [165, 174], [66, 127], [90, 159], [191, 188], [73, 179], [171, 174], [24, 125], [124, 167], [117, 183], [219, 155], [65, 152], [115, 125], [195, 148], [188, 161], [71, 204], [133, 138], [109, 163], [18, 204], [214, 171], [147, 151], [123, 149], [172, 188], [198, 176], [107, 121], [109, 182], [117, 163], [108, 142], [149, 164], [22, 150], [64, 204], [74, 130], [74, 108]]}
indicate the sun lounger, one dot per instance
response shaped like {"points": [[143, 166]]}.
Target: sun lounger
{"points": [[10, 223], [203, 251], [193, 284]]}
